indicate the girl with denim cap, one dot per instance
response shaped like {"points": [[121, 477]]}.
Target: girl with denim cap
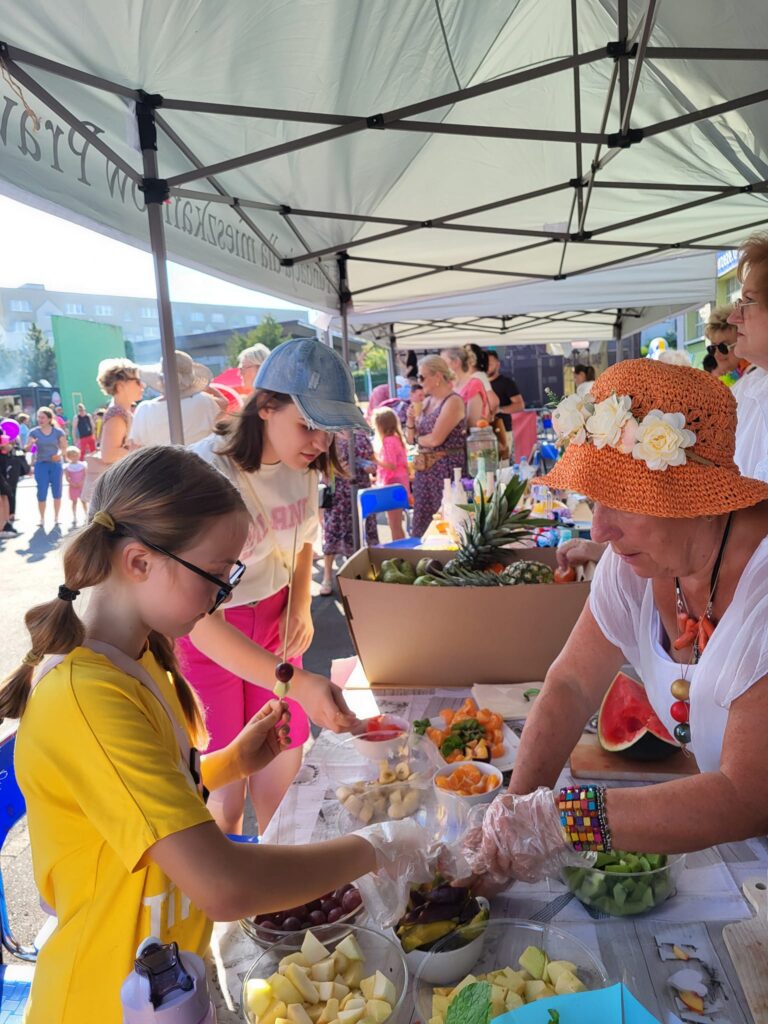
{"points": [[273, 452]]}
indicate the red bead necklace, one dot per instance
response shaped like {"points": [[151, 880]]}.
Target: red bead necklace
{"points": [[693, 633]]}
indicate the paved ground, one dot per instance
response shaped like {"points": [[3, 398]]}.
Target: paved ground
{"points": [[29, 573]]}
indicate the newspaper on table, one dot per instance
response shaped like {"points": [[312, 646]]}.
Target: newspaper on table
{"points": [[635, 951]]}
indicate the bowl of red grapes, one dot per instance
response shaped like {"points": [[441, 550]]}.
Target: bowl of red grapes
{"points": [[340, 907]]}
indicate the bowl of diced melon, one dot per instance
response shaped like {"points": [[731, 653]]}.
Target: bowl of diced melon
{"points": [[624, 884], [360, 979], [519, 962]]}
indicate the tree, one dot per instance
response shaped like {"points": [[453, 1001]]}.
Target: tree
{"points": [[374, 358], [38, 359], [10, 366], [269, 332]]}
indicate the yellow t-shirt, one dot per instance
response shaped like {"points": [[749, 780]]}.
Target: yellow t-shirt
{"points": [[99, 766]]}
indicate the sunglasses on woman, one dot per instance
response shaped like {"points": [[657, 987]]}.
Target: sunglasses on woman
{"points": [[721, 347], [225, 589]]}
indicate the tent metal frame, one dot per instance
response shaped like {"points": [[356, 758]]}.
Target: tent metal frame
{"points": [[629, 53]]}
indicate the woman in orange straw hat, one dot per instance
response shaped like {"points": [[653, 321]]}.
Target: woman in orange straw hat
{"points": [[682, 594]]}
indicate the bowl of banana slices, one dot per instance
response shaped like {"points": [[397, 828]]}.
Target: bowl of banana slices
{"points": [[389, 789]]}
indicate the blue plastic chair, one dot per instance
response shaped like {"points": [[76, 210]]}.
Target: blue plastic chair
{"points": [[372, 500], [15, 979]]}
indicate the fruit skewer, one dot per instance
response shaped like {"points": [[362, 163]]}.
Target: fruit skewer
{"points": [[284, 669]]}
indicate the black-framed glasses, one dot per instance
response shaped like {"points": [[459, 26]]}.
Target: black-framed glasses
{"points": [[225, 589], [720, 347]]}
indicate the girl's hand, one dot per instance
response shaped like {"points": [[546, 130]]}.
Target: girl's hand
{"points": [[300, 631], [322, 701], [260, 741]]}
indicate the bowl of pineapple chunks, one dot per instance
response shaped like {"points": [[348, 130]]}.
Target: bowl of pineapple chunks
{"points": [[360, 979], [518, 962]]}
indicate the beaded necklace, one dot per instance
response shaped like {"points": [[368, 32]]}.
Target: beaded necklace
{"points": [[694, 633]]}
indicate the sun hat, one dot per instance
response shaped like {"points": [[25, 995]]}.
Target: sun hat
{"points": [[318, 381], [192, 376], [653, 439]]}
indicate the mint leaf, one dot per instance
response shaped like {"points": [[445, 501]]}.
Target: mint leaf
{"points": [[472, 1005], [554, 1016]]}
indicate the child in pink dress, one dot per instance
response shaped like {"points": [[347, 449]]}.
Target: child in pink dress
{"points": [[74, 471], [392, 460]]}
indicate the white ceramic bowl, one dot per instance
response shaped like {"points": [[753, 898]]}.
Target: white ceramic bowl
{"points": [[373, 749], [447, 798], [503, 940], [448, 964], [379, 950]]}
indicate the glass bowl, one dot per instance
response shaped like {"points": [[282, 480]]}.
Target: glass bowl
{"points": [[500, 945], [380, 953], [392, 787], [623, 894], [268, 936]]}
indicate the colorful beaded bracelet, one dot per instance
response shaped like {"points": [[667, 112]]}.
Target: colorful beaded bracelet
{"points": [[582, 815]]}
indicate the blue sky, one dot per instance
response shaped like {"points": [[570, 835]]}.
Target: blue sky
{"points": [[38, 247]]}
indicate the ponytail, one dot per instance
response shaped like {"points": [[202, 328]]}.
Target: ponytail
{"points": [[165, 655], [54, 627]]}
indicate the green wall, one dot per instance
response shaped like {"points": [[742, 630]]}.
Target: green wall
{"points": [[80, 346]]}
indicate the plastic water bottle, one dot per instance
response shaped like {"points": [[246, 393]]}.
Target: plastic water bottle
{"points": [[526, 471], [166, 987], [479, 478]]}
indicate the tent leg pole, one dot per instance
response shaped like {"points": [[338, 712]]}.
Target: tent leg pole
{"points": [[392, 362], [344, 300], [155, 194]]}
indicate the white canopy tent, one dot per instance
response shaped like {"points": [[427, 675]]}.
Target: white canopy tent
{"points": [[393, 152]]}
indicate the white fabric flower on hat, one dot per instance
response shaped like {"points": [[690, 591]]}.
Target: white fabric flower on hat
{"points": [[570, 417], [661, 439], [606, 424]]}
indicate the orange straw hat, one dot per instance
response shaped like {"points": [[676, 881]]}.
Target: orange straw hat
{"points": [[653, 439]]}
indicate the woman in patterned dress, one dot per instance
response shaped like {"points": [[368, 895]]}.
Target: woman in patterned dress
{"points": [[337, 520], [438, 427]]}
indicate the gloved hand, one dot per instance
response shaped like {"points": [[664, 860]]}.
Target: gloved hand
{"points": [[406, 854], [519, 838]]}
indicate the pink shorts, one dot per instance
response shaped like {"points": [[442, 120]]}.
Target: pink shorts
{"points": [[231, 702]]}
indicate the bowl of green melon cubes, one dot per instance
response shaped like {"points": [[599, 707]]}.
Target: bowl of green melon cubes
{"points": [[622, 884]]}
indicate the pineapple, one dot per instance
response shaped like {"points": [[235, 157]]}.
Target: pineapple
{"points": [[528, 572], [496, 523]]}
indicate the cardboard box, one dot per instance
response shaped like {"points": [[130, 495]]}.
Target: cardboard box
{"points": [[455, 636]]}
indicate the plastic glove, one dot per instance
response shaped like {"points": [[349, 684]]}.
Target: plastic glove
{"points": [[406, 855], [520, 838]]}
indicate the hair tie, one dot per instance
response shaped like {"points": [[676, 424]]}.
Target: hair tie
{"points": [[30, 658], [65, 594], [105, 519]]}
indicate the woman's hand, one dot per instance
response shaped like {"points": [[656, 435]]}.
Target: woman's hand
{"points": [[300, 630], [260, 741], [322, 701], [579, 552]]}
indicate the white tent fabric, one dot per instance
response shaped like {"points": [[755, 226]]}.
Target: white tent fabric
{"points": [[434, 185], [590, 307]]}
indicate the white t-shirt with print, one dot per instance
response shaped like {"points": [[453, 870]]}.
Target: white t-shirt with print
{"points": [[280, 500], [735, 658]]}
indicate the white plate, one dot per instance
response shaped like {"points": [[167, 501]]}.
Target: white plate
{"points": [[510, 741]]}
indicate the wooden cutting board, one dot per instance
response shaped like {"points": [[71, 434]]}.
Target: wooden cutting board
{"points": [[590, 762], [747, 942]]}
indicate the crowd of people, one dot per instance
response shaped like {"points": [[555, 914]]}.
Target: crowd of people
{"points": [[197, 563]]}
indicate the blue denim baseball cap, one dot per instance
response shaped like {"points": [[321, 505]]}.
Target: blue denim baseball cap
{"points": [[318, 381]]}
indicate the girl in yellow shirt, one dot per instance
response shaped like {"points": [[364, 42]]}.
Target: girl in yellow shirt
{"points": [[122, 843]]}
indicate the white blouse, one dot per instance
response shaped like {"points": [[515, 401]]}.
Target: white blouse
{"points": [[751, 394], [735, 658]]}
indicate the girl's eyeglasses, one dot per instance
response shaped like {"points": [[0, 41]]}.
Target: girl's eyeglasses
{"points": [[225, 589], [721, 347]]}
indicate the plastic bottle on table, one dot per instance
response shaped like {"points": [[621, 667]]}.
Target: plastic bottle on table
{"points": [[166, 987], [480, 480]]}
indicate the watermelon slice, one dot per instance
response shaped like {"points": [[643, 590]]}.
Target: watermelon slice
{"points": [[627, 724]]}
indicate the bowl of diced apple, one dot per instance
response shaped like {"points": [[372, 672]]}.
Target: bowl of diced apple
{"points": [[520, 962], [360, 979]]}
